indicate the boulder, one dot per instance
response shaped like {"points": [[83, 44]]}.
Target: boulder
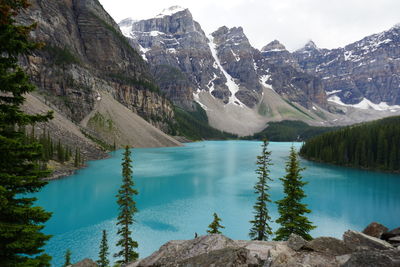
{"points": [[395, 241], [390, 234], [303, 259], [328, 245], [296, 242], [375, 229], [176, 251], [239, 257], [355, 240], [375, 258], [85, 263]]}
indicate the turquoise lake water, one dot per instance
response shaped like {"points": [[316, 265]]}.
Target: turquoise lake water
{"points": [[179, 189]]}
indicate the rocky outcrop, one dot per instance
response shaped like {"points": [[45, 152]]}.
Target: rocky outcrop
{"points": [[376, 258], [357, 250], [356, 240], [296, 242], [328, 245], [368, 68], [85, 263], [85, 52]]}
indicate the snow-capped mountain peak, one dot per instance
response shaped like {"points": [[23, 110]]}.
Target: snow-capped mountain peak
{"points": [[171, 11]]}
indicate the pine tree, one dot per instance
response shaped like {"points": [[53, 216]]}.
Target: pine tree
{"points": [[214, 227], [261, 229], [77, 158], [103, 253], [67, 258], [127, 208], [290, 208], [21, 239], [60, 152]]}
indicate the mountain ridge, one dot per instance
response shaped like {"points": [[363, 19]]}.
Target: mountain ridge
{"points": [[246, 71]]}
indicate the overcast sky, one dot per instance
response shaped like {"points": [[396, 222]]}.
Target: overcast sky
{"points": [[329, 23]]}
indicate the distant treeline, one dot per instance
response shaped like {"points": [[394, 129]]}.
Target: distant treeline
{"points": [[194, 126], [287, 131], [372, 145]]}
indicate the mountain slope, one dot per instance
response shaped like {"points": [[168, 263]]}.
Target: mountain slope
{"points": [[116, 124], [86, 55]]}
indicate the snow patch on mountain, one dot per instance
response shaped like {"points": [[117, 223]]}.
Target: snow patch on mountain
{"points": [[366, 104], [230, 83], [171, 11]]}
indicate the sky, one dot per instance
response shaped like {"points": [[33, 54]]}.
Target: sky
{"points": [[329, 23]]}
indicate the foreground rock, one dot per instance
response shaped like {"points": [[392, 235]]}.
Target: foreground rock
{"points": [[376, 258], [328, 245], [375, 229], [356, 240], [85, 263], [355, 250]]}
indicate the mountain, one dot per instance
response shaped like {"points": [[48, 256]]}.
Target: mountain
{"points": [[223, 73], [88, 72], [169, 72], [365, 73]]}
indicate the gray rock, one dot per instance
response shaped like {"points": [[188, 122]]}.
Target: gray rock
{"points": [[85, 263], [328, 245], [375, 229], [391, 233], [296, 242], [375, 258], [354, 240], [178, 251], [235, 257], [395, 239]]}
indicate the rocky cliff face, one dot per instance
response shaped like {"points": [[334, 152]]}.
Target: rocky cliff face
{"points": [[365, 70], [178, 52], [278, 68], [236, 56], [84, 53]]}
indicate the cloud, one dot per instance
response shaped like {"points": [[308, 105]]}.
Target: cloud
{"points": [[293, 22]]}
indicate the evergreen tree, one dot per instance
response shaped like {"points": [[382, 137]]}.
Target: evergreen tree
{"points": [[21, 239], [261, 229], [103, 253], [290, 208], [214, 227], [60, 152], [77, 158], [127, 208], [67, 258]]}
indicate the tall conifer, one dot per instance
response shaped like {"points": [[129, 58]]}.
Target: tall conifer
{"points": [[261, 229], [103, 253], [214, 227], [127, 209], [292, 212], [21, 239]]}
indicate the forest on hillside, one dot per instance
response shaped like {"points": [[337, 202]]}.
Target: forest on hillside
{"points": [[373, 145]]}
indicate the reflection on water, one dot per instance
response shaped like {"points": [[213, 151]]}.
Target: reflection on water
{"points": [[180, 188]]}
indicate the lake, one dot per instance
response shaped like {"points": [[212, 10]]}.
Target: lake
{"points": [[180, 188]]}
